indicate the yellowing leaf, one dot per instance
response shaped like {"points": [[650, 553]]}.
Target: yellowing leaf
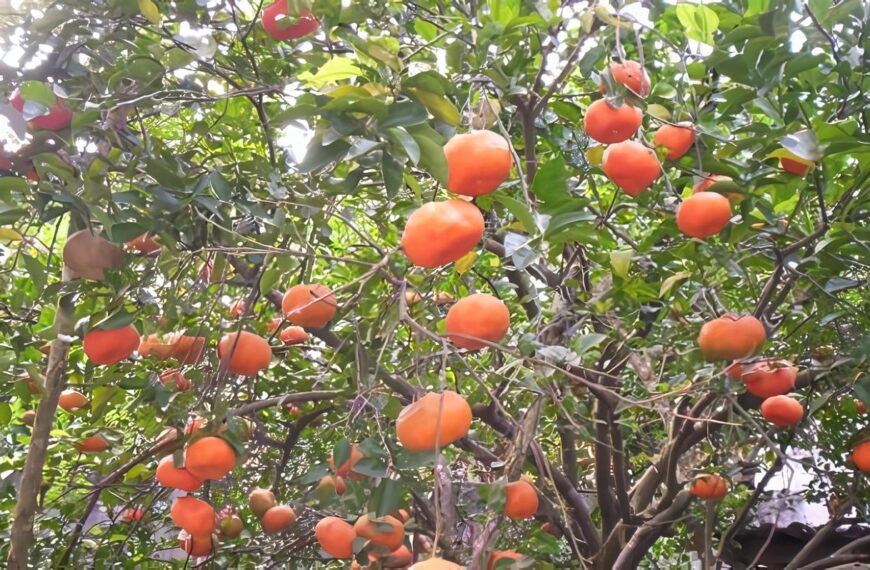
{"points": [[438, 105], [669, 283], [8, 234], [785, 153], [658, 112], [594, 154], [150, 11], [620, 261], [465, 262], [332, 71]]}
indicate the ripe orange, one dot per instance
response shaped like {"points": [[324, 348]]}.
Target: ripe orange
{"points": [[416, 424], [196, 545], [175, 380], [144, 244], [168, 475], [497, 555], [709, 487], [282, 26], [93, 444], [385, 531], [278, 518], [346, 468], [677, 138], [769, 378], [71, 400], [248, 355], [335, 537], [193, 515], [110, 346], [631, 166], [273, 324], [309, 305], [782, 411], [260, 501], [436, 564], [186, 349], [521, 500], [237, 309], [479, 316], [210, 458], [399, 558], [731, 337], [630, 74], [293, 335], [793, 166], [607, 124], [439, 233], [477, 162], [703, 214], [861, 456], [332, 484]]}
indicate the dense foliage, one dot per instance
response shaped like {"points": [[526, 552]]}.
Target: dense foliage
{"points": [[260, 164]]}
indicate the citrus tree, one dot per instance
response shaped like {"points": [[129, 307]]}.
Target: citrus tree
{"points": [[483, 284]]}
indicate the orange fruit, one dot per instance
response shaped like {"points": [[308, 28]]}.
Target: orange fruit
{"points": [[704, 184], [502, 555], [230, 525], [293, 335], [436, 564], [346, 468], [110, 346], [260, 501], [175, 380], [631, 166], [144, 244], [793, 166], [273, 324], [193, 515], [186, 349], [521, 500], [630, 74], [439, 233], [703, 214], [28, 418], [196, 545], [210, 458], [93, 444], [769, 378], [782, 411], [709, 487], [399, 558], [283, 27], [477, 162], [418, 426], [678, 139], [335, 537], [237, 309], [479, 316], [248, 355], [734, 371], [607, 124], [402, 515], [332, 484], [309, 305], [731, 337], [385, 531], [71, 400], [168, 475], [278, 518], [861, 456]]}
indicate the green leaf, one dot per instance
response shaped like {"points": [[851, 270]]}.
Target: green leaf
{"points": [[341, 453], [550, 185], [38, 92], [319, 156], [36, 271], [333, 71], [386, 498], [393, 175], [699, 21], [438, 105], [565, 221], [503, 11], [399, 137], [403, 114], [669, 283], [5, 413], [120, 319], [432, 157], [519, 210], [150, 11], [620, 261]]}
